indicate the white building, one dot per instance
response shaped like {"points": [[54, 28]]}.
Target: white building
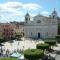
{"points": [[41, 26]]}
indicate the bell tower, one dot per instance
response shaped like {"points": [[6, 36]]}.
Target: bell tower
{"points": [[54, 14], [27, 18]]}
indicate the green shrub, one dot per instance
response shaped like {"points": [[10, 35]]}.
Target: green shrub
{"points": [[2, 40], [51, 42], [42, 46], [58, 37], [59, 29], [33, 54]]}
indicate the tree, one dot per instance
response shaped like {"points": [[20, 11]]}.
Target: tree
{"points": [[59, 29], [51, 42], [58, 38], [33, 54], [42, 46], [18, 36], [2, 40]]}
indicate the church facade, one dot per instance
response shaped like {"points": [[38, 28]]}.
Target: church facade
{"points": [[41, 26]]}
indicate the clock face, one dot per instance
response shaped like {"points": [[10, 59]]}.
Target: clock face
{"points": [[38, 21]]}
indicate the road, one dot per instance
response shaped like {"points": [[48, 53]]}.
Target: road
{"points": [[57, 57]]}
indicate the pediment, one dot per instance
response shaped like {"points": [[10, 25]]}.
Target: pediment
{"points": [[40, 19], [38, 16]]}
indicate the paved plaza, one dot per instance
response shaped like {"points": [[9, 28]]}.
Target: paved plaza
{"points": [[57, 57], [24, 44], [21, 45]]}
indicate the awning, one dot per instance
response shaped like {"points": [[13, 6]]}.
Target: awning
{"points": [[21, 57], [16, 55]]}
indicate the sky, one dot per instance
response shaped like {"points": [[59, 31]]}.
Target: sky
{"points": [[15, 10]]}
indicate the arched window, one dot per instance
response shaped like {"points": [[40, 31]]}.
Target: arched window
{"points": [[26, 19], [38, 21], [46, 33], [31, 33], [53, 17]]}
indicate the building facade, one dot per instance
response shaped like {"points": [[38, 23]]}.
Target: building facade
{"points": [[19, 30], [8, 31], [41, 26], [1, 31]]}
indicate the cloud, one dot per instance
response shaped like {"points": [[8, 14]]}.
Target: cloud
{"points": [[31, 6], [13, 5], [45, 13], [16, 5], [15, 11]]}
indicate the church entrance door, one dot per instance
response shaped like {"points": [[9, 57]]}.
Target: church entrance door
{"points": [[38, 35]]}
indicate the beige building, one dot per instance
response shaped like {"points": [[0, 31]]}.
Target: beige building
{"points": [[19, 29]]}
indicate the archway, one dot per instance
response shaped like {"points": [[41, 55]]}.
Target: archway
{"points": [[38, 35]]}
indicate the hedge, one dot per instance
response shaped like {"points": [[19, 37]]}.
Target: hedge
{"points": [[58, 37], [33, 54], [51, 42], [42, 46]]}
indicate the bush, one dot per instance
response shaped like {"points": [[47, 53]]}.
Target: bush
{"points": [[51, 42], [33, 54], [2, 40], [42, 46], [58, 38], [58, 29]]}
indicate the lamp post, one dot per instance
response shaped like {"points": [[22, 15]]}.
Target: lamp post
{"points": [[24, 43]]}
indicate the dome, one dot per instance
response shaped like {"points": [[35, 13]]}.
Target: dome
{"points": [[54, 11], [27, 14]]}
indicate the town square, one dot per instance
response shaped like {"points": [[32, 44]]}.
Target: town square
{"points": [[29, 30]]}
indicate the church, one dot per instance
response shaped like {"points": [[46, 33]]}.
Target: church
{"points": [[41, 26]]}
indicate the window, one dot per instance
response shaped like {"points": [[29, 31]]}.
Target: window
{"points": [[53, 17], [26, 19], [47, 34], [31, 33], [38, 21], [3, 33], [6, 30], [29, 18], [6, 33], [12, 30]]}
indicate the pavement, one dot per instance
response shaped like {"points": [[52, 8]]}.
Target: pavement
{"points": [[24, 44], [57, 57]]}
